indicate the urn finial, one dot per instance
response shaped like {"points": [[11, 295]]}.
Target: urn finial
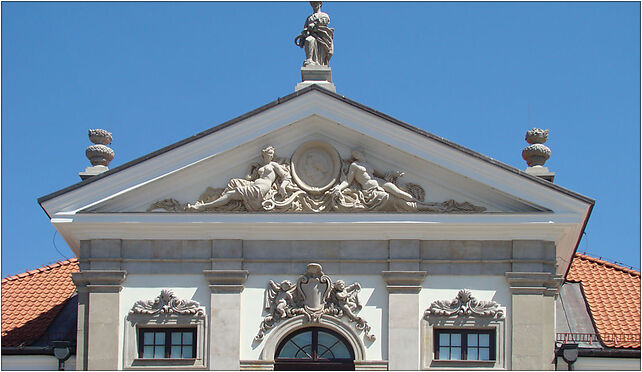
{"points": [[536, 153], [99, 154]]}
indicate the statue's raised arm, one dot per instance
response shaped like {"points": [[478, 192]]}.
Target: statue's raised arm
{"points": [[316, 38]]}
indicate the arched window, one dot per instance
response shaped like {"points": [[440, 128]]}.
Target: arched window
{"points": [[314, 349]]}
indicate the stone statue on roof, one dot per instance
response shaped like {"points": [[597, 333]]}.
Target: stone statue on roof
{"points": [[316, 38]]}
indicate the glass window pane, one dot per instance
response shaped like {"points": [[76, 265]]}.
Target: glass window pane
{"points": [[148, 352], [149, 338], [484, 339], [455, 339], [444, 339], [341, 351], [160, 338], [159, 352], [472, 339], [484, 354], [289, 350], [176, 352], [176, 338], [444, 352], [303, 339], [331, 347], [324, 353], [187, 351], [187, 338], [472, 353], [455, 353], [304, 353]]}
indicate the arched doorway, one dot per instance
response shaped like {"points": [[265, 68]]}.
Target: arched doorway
{"points": [[314, 348]]}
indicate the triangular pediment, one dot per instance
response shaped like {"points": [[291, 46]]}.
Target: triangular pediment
{"points": [[315, 153], [315, 126]]}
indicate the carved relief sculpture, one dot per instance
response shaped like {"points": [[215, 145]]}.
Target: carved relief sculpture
{"points": [[316, 38], [312, 296], [167, 303], [464, 305], [316, 179]]}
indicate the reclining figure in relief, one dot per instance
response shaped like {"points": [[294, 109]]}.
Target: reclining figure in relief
{"points": [[269, 186]]}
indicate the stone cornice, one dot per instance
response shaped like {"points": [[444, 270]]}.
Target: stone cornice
{"points": [[404, 281], [226, 281], [99, 279], [546, 284]]}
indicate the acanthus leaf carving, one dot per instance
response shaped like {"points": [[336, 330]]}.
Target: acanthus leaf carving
{"points": [[167, 303], [464, 305], [313, 296], [316, 180]]}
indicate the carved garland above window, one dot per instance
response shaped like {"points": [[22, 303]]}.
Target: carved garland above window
{"points": [[167, 303], [464, 305], [313, 296]]}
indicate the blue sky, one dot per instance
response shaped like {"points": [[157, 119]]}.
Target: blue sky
{"points": [[478, 74]]}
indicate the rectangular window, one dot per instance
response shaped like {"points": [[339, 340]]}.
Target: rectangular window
{"points": [[167, 343], [464, 344]]}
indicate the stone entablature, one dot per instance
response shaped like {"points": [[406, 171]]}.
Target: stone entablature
{"points": [[438, 257]]}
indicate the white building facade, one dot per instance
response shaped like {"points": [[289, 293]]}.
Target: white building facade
{"points": [[323, 256]]}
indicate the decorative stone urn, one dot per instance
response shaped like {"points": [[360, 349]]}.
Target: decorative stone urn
{"points": [[99, 153], [536, 153]]}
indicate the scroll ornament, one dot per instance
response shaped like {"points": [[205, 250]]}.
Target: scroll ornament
{"points": [[464, 305], [313, 296], [167, 303], [316, 179]]}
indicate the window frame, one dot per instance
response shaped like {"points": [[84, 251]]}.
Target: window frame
{"points": [[168, 341], [135, 322], [464, 343], [315, 361], [456, 323]]}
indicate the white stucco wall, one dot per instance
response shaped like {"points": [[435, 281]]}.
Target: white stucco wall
{"points": [[148, 287], [35, 363], [373, 296]]}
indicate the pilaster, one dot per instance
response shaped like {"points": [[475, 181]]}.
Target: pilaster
{"points": [[403, 318], [98, 325], [225, 317], [533, 319]]}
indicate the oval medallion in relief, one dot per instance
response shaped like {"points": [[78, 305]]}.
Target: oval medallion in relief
{"points": [[315, 166]]}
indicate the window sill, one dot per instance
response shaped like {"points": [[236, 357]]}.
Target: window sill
{"points": [[463, 363], [167, 363]]}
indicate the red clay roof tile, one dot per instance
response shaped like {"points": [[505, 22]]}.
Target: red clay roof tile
{"points": [[613, 296], [32, 300]]}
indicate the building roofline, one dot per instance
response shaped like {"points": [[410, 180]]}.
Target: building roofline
{"points": [[39, 270], [600, 261], [348, 101]]}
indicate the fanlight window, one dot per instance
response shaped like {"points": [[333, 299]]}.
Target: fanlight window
{"points": [[314, 344]]}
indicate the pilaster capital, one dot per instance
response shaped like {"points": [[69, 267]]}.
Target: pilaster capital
{"points": [[404, 281], [226, 281], [99, 280], [545, 284]]}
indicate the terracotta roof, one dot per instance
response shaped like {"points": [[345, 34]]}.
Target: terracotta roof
{"points": [[612, 293], [32, 300]]}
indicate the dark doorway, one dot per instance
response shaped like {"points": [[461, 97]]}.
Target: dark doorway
{"points": [[315, 348]]}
